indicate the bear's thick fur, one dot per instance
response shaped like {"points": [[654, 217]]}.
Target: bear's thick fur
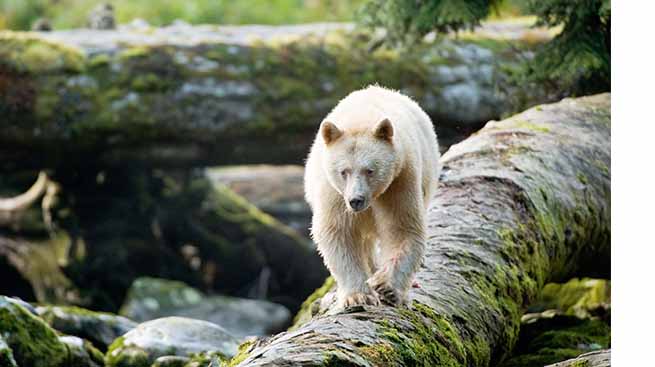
{"points": [[369, 177]]}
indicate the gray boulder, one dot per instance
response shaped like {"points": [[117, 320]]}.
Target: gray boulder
{"points": [[151, 298], [81, 352], [170, 336], [98, 327]]}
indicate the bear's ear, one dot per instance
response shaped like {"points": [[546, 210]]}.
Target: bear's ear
{"points": [[330, 132], [384, 130]]}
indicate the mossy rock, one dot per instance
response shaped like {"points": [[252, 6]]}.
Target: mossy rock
{"points": [[28, 53], [81, 353], [100, 328], [29, 341], [169, 336], [151, 298], [6, 355]]}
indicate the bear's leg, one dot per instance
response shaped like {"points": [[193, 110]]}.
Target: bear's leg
{"points": [[401, 229], [347, 254]]}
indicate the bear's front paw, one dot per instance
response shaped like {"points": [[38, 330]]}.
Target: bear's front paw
{"points": [[360, 298], [387, 293]]}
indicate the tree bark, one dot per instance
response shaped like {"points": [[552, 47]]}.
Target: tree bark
{"points": [[599, 358], [522, 202]]}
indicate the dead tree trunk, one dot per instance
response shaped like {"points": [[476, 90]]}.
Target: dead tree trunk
{"points": [[599, 358], [524, 201]]}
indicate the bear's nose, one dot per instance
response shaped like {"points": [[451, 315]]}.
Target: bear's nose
{"points": [[357, 203]]}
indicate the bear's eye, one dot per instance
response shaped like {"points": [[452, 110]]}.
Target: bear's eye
{"points": [[370, 172], [344, 173]]}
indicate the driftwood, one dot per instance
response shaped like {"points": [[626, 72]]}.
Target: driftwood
{"points": [[12, 208], [524, 201], [599, 358], [26, 199]]}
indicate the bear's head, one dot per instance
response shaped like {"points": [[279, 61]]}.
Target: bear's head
{"points": [[360, 164]]}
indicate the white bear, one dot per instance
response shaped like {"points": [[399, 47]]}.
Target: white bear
{"points": [[369, 177]]}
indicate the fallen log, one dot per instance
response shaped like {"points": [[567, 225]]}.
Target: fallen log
{"points": [[523, 202], [599, 358], [209, 95]]}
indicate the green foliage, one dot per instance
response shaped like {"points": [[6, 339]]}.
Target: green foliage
{"points": [[20, 14], [406, 21], [577, 59], [580, 55]]}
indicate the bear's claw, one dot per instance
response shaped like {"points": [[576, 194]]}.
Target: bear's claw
{"points": [[359, 298], [387, 294], [385, 291]]}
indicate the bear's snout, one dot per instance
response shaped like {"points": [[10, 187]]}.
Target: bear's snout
{"points": [[357, 203]]}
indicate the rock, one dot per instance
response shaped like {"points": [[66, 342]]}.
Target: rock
{"points": [[169, 336], [31, 340], [276, 190], [6, 355], [81, 352], [98, 327], [170, 361], [150, 298], [26, 340], [25, 305]]}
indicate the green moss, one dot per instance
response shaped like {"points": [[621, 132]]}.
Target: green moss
{"points": [[6, 355], [242, 353], [602, 166], [95, 354], [575, 297], [383, 354], [31, 340], [150, 83], [120, 355], [581, 363], [26, 52], [206, 359], [133, 52], [523, 124], [305, 313], [99, 61], [432, 341]]}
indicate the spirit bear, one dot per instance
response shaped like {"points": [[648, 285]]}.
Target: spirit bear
{"points": [[369, 177]]}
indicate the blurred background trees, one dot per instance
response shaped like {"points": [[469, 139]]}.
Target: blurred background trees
{"points": [[19, 14], [578, 57]]}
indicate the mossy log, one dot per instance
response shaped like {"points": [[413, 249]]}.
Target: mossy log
{"points": [[600, 358], [206, 95], [524, 201]]}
